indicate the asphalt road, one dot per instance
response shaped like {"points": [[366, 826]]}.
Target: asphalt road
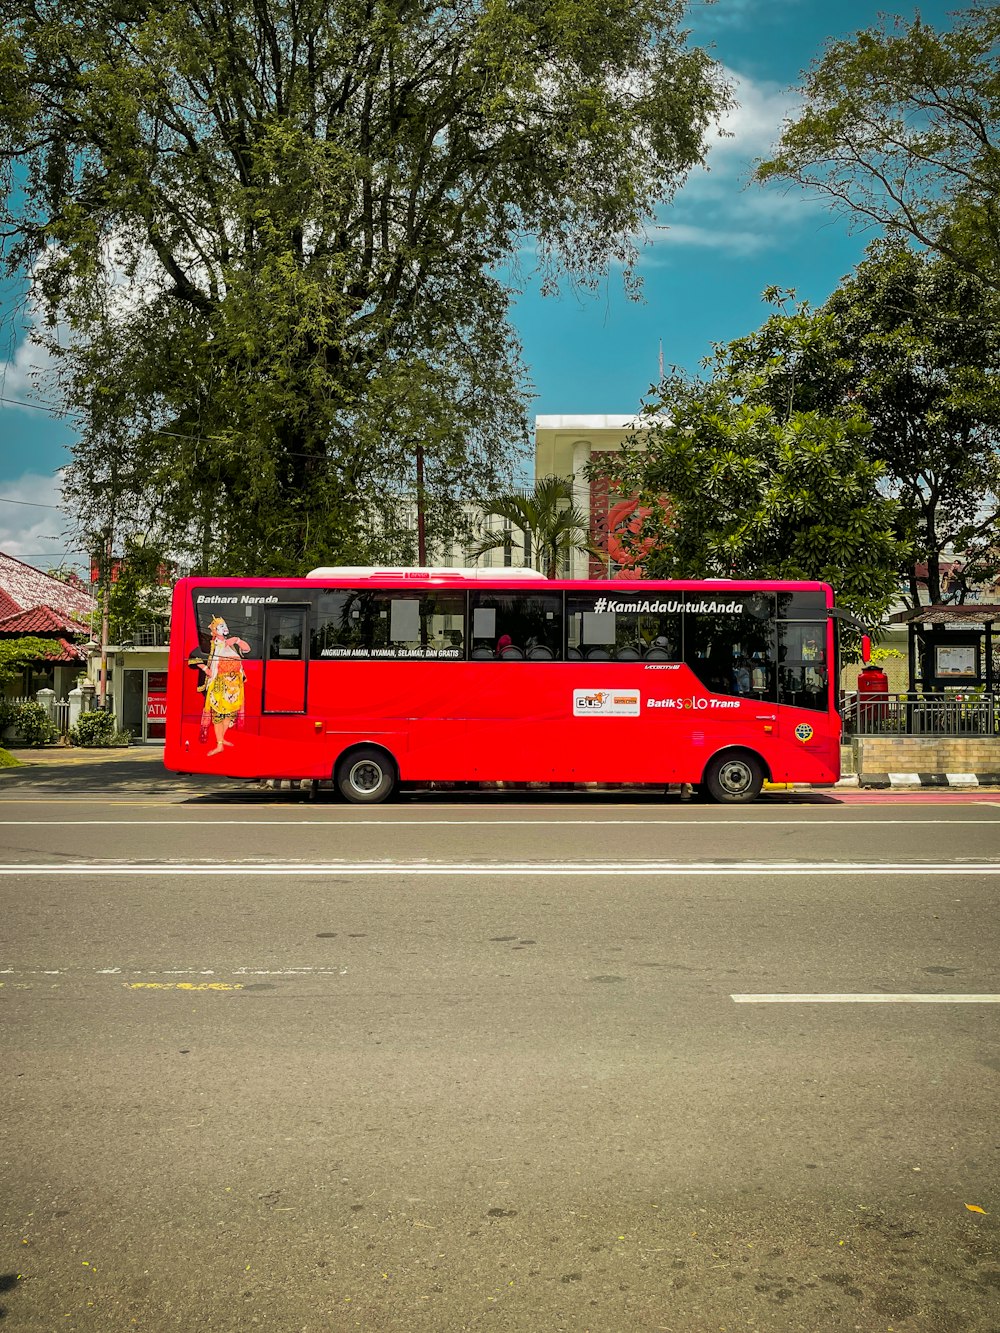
{"points": [[465, 1063]]}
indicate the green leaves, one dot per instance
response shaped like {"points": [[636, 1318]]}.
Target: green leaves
{"points": [[901, 126], [753, 492], [15, 654], [546, 516], [274, 227], [905, 358]]}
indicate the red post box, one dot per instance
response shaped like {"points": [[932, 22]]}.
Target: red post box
{"points": [[873, 694]]}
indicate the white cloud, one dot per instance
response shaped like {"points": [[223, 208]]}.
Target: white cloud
{"points": [[734, 240], [755, 124], [715, 15], [32, 528], [30, 374], [718, 208], [23, 376]]}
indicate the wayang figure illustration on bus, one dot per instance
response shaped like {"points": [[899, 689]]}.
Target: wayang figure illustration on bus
{"points": [[223, 683]]}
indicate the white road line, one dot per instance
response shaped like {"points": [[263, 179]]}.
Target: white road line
{"points": [[376, 823], [876, 998], [495, 869]]}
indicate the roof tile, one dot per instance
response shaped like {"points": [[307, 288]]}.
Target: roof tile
{"points": [[27, 587]]}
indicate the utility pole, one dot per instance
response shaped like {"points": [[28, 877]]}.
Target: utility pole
{"points": [[105, 574], [421, 533]]}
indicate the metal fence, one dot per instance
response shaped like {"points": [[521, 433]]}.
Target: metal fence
{"points": [[57, 709], [922, 715]]}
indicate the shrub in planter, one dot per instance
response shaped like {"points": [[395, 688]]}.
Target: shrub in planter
{"points": [[34, 726], [8, 715], [96, 730]]}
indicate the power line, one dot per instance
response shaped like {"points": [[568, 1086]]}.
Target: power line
{"points": [[50, 408], [32, 504], [49, 555]]}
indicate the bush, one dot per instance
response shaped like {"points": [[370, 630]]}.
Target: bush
{"points": [[96, 730], [33, 725], [7, 760]]}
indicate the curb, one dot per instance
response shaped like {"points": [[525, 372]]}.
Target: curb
{"points": [[895, 780]]}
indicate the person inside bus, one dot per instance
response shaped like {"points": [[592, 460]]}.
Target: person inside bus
{"points": [[507, 649], [741, 676]]}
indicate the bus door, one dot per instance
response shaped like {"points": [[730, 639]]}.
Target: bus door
{"points": [[286, 656]]}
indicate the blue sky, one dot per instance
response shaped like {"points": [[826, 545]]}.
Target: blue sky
{"points": [[704, 267]]}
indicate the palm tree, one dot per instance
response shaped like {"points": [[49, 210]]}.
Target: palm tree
{"points": [[547, 516]]}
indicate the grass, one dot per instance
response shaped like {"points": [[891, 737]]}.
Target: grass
{"points": [[7, 760]]}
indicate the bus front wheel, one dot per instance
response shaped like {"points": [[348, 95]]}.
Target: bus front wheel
{"points": [[734, 776], [366, 776]]}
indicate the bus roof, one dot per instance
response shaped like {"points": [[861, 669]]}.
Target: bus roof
{"points": [[408, 572], [506, 578]]}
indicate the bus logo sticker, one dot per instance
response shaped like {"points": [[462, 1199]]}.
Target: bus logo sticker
{"points": [[804, 732], [606, 703], [693, 701]]}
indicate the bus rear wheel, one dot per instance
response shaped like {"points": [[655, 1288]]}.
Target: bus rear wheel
{"points": [[734, 777], [366, 776]]}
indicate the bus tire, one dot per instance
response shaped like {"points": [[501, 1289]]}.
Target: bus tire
{"points": [[366, 776], [734, 776]]}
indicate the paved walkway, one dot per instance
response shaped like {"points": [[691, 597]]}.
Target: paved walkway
{"points": [[63, 770], [48, 755]]}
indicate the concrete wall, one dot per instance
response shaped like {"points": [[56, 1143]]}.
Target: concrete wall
{"points": [[564, 446], [926, 754]]}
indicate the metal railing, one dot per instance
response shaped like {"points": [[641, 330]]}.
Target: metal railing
{"points": [[917, 714], [58, 711], [149, 635]]}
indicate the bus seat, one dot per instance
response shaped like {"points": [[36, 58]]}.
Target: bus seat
{"points": [[657, 655], [540, 653], [627, 655], [598, 655], [511, 654], [574, 655], [482, 654]]}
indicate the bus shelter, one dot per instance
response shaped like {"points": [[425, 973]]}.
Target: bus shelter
{"points": [[952, 647]]}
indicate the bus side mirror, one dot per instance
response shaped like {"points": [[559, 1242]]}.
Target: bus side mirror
{"points": [[866, 649]]}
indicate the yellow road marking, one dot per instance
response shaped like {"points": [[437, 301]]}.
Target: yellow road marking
{"points": [[181, 985]]}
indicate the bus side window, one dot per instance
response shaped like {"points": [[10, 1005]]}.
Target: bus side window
{"points": [[339, 624], [732, 651], [803, 673], [625, 634], [243, 619], [442, 624], [516, 626], [389, 625]]}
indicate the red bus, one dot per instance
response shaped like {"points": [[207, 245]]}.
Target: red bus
{"points": [[374, 678]]}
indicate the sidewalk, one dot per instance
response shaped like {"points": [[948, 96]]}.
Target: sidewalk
{"points": [[46, 755], [63, 771]]}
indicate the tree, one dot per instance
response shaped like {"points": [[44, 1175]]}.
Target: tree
{"points": [[265, 220], [902, 127], [550, 524], [736, 489], [136, 588], [16, 654], [912, 341]]}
